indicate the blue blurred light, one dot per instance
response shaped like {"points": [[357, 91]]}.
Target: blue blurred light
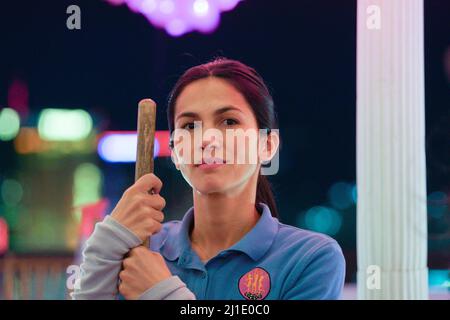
{"points": [[437, 204], [121, 147], [439, 278], [323, 219], [341, 195], [355, 193]]}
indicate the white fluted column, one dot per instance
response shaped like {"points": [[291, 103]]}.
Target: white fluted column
{"points": [[391, 172]]}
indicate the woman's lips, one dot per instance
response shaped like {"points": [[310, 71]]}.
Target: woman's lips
{"points": [[205, 166], [211, 163]]}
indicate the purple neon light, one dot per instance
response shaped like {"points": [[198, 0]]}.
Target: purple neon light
{"points": [[178, 17]]}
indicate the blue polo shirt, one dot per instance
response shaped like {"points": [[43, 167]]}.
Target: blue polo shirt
{"points": [[272, 261]]}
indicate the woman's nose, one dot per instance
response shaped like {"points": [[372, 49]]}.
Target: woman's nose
{"points": [[212, 139], [211, 142]]}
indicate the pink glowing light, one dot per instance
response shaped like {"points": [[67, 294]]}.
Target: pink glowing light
{"points": [[91, 214], [179, 17], [116, 2], [226, 5], [18, 97], [4, 236], [201, 7], [176, 27]]}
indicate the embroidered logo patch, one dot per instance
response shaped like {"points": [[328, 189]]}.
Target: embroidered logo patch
{"points": [[255, 284]]}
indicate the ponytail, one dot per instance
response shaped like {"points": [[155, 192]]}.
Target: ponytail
{"points": [[264, 194]]}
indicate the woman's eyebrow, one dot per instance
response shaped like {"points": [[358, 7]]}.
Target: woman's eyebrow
{"points": [[186, 114], [219, 111], [226, 109]]}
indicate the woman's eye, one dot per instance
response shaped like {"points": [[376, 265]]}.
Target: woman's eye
{"points": [[230, 122], [189, 126]]}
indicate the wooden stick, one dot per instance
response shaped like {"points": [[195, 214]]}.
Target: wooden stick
{"points": [[145, 141]]}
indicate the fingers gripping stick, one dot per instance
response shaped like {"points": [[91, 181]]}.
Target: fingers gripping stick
{"points": [[145, 141]]}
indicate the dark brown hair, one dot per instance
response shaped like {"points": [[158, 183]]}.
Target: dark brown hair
{"points": [[250, 84]]}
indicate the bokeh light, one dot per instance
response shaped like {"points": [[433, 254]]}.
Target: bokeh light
{"points": [[87, 184], [176, 27], [355, 193], [4, 236], [226, 5], [341, 195], [64, 125], [447, 63], [439, 278], [9, 124], [167, 6], [201, 7], [180, 17], [18, 96], [437, 204], [12, 192], [118, 146], [14, 215], [29, 141], [323, 219]]}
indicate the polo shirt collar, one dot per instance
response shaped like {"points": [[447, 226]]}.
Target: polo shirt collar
{"points": [[254, 244]]}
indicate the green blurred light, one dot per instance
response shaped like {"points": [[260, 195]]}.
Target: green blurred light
{"points": [[355, 194], [87, 185], [341, 195], [437, 204], [13, 214], [12, 192], [64, 125], [323, 219], [9, 124], [39, 231]]}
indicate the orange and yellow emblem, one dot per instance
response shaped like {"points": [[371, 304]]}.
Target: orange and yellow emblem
{"points": [[255, 284]]}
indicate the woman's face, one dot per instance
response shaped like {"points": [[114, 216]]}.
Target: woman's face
{"points": [[214, 116]]}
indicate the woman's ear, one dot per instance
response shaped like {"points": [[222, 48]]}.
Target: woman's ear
{"points": [[174, 158], [269, 144]]}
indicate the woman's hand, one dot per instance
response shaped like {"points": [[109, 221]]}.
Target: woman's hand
{"points": [[140, 211], [142, 269]]}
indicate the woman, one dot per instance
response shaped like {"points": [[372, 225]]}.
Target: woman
{"points": [[229, 245]]}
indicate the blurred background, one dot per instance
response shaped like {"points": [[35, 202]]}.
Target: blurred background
{"points": [[68, 110]]}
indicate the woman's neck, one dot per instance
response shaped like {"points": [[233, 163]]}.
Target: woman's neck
{"points": [[221, 220]]}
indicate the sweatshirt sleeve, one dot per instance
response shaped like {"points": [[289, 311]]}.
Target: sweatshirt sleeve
{"points": [[102, 260], [169, 289]]}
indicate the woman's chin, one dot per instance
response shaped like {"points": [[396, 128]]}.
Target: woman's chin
{"points": [[210, 186]]}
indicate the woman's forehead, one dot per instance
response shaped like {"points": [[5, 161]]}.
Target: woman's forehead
{"points": [[205, 96]]}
